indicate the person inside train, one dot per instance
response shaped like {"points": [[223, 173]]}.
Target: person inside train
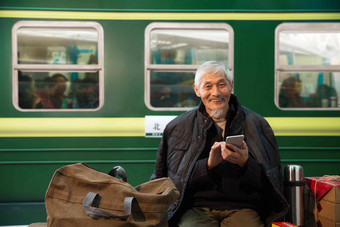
{"points": [[58, 99], [86, 92], [45, 88], [290, 91], [91, 92], [221, 184], [26, 92], [325, 96], [93, 89]]}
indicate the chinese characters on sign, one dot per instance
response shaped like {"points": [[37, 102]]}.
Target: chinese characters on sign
{"points": [[154, 125]]}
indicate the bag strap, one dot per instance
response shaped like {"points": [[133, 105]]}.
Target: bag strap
{"points": [[91, 204], [121, 173]]}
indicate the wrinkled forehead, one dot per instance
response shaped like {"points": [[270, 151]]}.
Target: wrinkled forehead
{"points": [[214, 78]]}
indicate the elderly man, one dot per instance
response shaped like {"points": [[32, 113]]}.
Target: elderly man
{"points": [[221, 184]]}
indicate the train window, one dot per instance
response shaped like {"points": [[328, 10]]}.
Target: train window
{"points": [[307, 66], [173, 52], [57, 66]]}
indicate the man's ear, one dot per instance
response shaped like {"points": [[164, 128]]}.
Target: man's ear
{"points": [[196, 90]]}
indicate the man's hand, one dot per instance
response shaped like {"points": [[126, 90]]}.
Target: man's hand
{"points": [[215, 156], [220, 152], [239, 156]]}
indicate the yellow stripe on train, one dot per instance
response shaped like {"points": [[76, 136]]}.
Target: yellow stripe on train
{"points": [[135, 127], [47, 14]]}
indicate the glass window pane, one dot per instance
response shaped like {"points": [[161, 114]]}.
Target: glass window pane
{"points": [[173, 89], [309, 48], [42, 45], [190, 47], [309, 90], [58, 90]]}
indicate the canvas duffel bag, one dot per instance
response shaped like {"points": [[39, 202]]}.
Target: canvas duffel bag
{"points": [[79, 195]]}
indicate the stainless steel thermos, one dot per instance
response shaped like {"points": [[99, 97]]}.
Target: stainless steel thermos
{"points": [[293, 190]]}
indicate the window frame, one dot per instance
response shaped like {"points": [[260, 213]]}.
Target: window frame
{"points": [[301, 27], [148, 67], [16, 67]]}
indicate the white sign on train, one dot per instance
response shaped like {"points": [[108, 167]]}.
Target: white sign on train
{"points": [[155, 125]]}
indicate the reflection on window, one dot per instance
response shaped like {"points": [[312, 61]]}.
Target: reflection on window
{"points": [[58, 66], [43, 90], [297, 48], [173, 52], [309, 90], [308, 66], [56, 45], [174, 92], [192, 47]]}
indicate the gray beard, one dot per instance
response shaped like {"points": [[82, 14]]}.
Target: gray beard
{"points": [[218, 114]]}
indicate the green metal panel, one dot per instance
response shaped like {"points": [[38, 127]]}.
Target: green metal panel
{"points": [[22, 213], [124, 70], [175, 5]]}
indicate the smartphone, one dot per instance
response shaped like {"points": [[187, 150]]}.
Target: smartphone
{"points": [[235, 140]]}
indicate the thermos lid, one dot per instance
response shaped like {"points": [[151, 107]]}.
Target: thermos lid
{"points": [[293, 173]]}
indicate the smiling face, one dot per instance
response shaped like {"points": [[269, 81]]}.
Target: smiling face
{"points": [[215, 91]]}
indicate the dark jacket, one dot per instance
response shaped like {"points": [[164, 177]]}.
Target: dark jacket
{"points": [[184, 139]]}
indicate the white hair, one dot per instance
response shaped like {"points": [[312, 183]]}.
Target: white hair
{"points": [[212, 67]]}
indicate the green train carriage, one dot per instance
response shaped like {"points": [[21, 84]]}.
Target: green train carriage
{"points": [[130, 72]]}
